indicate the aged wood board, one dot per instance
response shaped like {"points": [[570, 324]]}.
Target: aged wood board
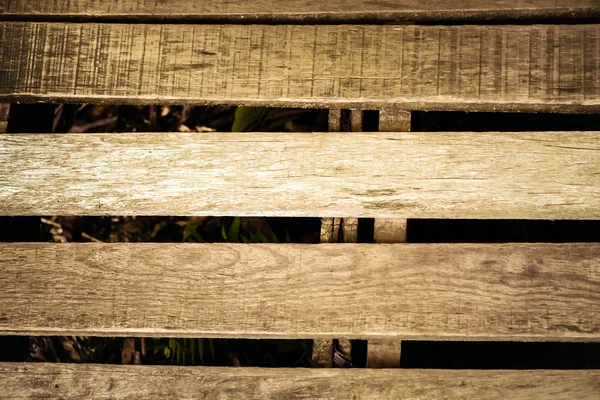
{"points": [[485, 68], [490, 292], [69, 381], [301, 10], [539, 175]]}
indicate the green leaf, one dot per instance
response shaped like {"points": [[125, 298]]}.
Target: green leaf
{"points": [[211, 345], [193, 350], [233, 235], [160, 346], [201, 350], [223, 232], [288, 239], [248, 119], [259, 237], [274, 238]]}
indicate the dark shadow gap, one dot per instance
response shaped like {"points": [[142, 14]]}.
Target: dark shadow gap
{"points": [[499, 355], [501, 231], [448, 121], [159, 229], [157, 351]]}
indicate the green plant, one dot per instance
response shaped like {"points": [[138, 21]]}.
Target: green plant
{"points": [[256, 119], [185, 351]]}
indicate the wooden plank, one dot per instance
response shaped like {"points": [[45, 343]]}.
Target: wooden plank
{"points": [[487, 68], [70, 381], [542, 292], [301, 10], [541, 175]]}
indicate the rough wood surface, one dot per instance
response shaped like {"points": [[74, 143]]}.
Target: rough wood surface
{"points": [[300, 10], [496, 67], [389, 230], [541, 175], [408, 291], [120, 382]]}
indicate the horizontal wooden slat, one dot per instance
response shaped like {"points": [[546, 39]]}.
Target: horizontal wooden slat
{"points": [[67, 381], [409, 291], [541, 175], [300, 10], [550, 68]]}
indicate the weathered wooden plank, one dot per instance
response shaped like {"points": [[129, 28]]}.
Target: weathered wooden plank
{"points": [[408, 291], [68, 381], [541, 175], [29, 381], [301, 10], [534, 67]]}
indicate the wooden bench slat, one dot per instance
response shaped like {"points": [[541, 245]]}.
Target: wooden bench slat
{"points": [[70, 381], [540, 175], [301, 10], [516, 292], [493, 68]]}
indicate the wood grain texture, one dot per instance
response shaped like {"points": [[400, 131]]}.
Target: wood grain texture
{"points": [[513, 292], [493, 68], [119, 382], [541, 175], [301, 10]]}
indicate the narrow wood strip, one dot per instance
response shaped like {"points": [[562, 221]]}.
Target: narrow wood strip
{"points": [[384, 353], [322, 353], [407, 291], [70, 381], [540, 175], [4, 109], [493, 68], [302, 10], [356, 120], [335, 117], [394, 120]]}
